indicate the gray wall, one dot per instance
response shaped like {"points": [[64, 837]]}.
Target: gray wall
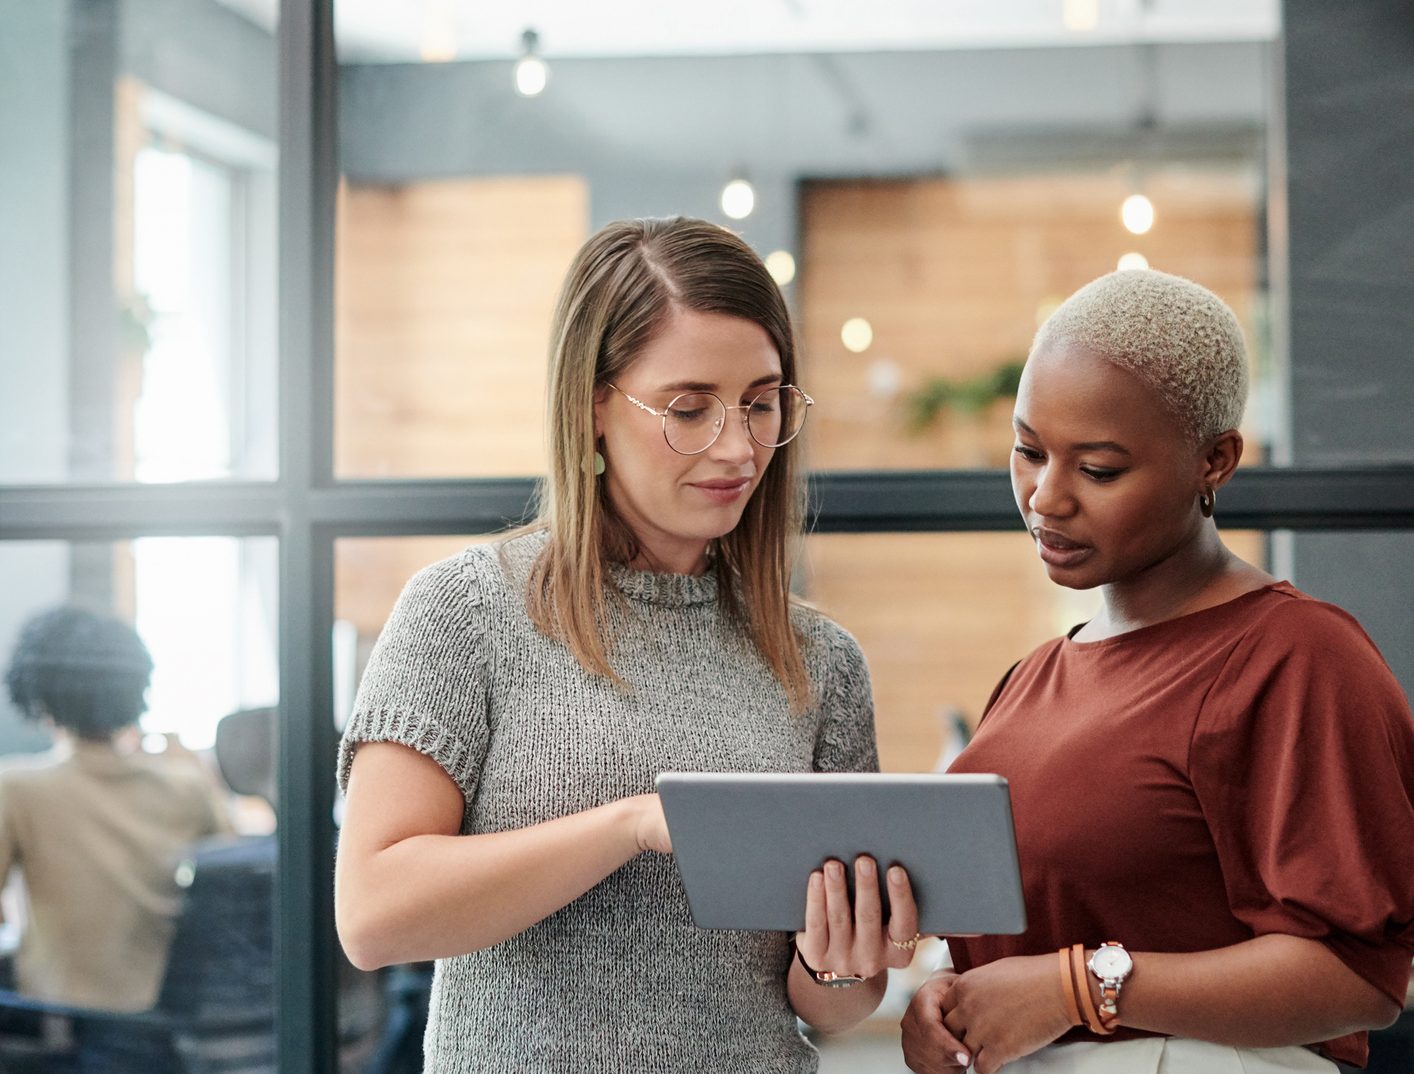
{"points": [[34, 104], [205, 55], [34, 237], [1350, 146]]}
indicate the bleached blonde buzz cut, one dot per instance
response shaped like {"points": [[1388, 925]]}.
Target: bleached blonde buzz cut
{"points": [[1173, 334]]}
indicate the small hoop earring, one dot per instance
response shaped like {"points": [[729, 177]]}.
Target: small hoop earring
{"points": [[1208, 501], [598, 464]]}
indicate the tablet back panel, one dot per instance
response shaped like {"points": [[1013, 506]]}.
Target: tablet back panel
{"points": [[745, 844]]}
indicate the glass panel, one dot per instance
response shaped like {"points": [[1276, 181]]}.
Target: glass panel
{"points": [[926, 182], [137, 798], [138, 205]]}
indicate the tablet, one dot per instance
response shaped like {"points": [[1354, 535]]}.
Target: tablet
{"points": [[746, 844]]}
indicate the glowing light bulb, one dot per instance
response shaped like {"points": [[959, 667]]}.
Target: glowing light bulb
{"points": [[738, 199], [781, 266], [856, 334], [1137, 212], [532, 74], [1132, 260]]}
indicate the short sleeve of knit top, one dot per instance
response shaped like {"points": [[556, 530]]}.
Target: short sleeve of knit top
{"points": [[426, 680]]}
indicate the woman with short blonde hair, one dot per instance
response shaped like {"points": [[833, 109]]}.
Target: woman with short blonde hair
{"points": [[1212, 780]]}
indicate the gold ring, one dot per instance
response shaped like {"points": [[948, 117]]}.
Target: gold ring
{"points": [[906, 945]]}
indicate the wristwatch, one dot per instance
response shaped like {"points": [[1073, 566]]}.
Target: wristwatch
{"points": [[1111, 966], [825, 977]]}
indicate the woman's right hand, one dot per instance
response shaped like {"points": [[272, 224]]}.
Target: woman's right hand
{"points": [[650, 827]]}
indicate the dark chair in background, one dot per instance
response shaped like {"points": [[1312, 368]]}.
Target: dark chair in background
{"points": [[215, 1011]]}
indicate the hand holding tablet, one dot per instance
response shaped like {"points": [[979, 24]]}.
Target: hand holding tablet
{"points": [[849, 934]]}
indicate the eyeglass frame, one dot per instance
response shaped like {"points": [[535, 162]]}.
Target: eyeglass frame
{"points": [[745, 418]]}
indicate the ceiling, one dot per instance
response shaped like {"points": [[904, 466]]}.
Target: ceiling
{"points": [[382, 31], [822, 114]]}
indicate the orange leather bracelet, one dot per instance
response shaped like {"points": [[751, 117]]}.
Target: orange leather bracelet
{"points": [[1072, 1008], [1089, 1014]]}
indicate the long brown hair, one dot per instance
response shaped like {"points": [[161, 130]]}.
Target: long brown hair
{"points": [[623, 284]]}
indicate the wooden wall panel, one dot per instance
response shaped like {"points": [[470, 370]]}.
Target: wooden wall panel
{"points": [[444, 295], [956, 275], [443, 299]]}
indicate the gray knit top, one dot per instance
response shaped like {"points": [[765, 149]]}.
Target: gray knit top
{"points": [[620, 980]]}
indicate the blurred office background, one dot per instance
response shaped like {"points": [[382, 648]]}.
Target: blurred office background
{"points": [[276, 281]]}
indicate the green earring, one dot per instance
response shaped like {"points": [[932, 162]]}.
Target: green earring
{"points": [[598, 464]]}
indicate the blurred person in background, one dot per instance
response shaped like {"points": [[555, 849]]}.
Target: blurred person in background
{"points": [[94, 826]]}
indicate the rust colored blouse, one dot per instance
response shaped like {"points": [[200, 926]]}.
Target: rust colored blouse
{"points": [[1243, 770]]}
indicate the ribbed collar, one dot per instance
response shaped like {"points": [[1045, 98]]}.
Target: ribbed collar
{"points": [[670, 590]]}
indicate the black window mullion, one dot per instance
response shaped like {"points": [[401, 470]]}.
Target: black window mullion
{"points": [[306, 998], [887, 501]]}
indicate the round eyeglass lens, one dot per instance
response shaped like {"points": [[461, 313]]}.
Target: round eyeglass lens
{"points": [[693, 422], [776, 415]]}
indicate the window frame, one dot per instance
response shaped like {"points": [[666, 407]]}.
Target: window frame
{"points": [[308, 510]]}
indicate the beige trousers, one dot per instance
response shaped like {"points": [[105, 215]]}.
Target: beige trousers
{"points": [[1168, 1055]]}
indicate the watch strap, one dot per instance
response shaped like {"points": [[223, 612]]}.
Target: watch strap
{"points": [[1090, 1015], [825, 977], [1072, 1005]]}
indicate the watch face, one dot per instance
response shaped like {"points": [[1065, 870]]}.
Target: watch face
{"points": [[1111, 962]]}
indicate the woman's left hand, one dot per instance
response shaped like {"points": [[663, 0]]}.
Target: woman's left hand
{"points": [[1006, 1009], [855, 940]]}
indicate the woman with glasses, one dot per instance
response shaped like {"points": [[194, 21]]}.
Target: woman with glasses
{"points": [[524, 695], [1212, 780]]}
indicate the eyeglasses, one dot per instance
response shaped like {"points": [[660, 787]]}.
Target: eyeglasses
{"points": [[692, 422]]}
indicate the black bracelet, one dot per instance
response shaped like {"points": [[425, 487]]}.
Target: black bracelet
{"points": [[825, 977]]}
